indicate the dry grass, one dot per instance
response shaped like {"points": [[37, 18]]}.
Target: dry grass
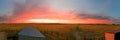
{"points": [[63, 28]]}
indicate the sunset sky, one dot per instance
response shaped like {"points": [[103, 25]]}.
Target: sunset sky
{"points": [[99, 10]]}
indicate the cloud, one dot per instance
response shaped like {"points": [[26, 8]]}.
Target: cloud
{"points": [[3, 18], [98, 17], [116, 21], [94, 16], [21, 9]]}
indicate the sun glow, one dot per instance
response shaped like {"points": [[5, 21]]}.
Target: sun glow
{"points": [[52, 21]]}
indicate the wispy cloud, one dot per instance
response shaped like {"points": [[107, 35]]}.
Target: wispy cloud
{"points": [[95, 16], [28, 5]]}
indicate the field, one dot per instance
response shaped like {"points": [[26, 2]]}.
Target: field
{"points": [[62, 31]]}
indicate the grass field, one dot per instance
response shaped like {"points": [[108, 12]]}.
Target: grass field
{"points": [[64, 31]]}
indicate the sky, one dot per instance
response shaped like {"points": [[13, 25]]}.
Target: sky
{"points": [[105, 7]]}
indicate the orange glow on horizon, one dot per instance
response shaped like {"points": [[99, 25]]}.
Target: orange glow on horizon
{"points": [[52, 21], [35, 15]]}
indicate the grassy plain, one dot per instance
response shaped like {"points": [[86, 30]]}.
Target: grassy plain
{"points": [[63, 31]]}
